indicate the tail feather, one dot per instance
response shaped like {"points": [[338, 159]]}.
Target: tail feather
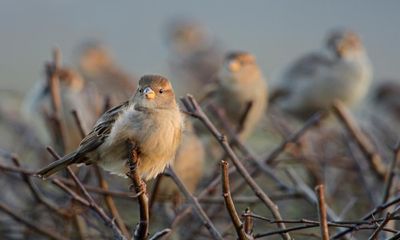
{"points": [[57, 165]]}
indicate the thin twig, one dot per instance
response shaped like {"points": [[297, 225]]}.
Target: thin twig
{"points": [[251, 199], [244, 117], [195, 204], [68, 182], [248, 222], [103, 184], [390, 176], [92, 204], [380, 227], [142, 229], [30, 223], [369, 215], [37, 194], [53, 83], [374, 159], [160, 234], [230, 206], [154, 192], [193, 107], [294, 138], [322, 212]]}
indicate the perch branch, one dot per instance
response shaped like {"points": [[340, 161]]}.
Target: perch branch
{"points": [[195, 204], [320, 191], [92, 204], [374, 159], [195, 110], [230, 206], [142, 229]]}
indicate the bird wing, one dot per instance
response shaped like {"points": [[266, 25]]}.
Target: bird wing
{"points": [[304, 68], [101, 130], [308, 65]]}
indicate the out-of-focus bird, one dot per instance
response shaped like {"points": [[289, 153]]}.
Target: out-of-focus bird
{"points": [[188, 165], [151, 118], [194, 56], [102, 73], [37, 104], [342, 70], [240, 85], [383, 111]]}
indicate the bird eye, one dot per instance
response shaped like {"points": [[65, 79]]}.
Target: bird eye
{"points": [[161, 90], [140, 90]]}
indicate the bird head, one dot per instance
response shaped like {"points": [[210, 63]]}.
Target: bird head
{"points": [[71, 79], [345, 44], [186, 35], [93, 57], [239, 67], [154, 92]]}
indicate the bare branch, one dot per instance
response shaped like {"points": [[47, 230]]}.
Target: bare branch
{"points": [[103, 184], [322, 212], [30, 223], [374, 159], [192, 106], [195, 204], [92, 204], [142, 229], [230, 206]]}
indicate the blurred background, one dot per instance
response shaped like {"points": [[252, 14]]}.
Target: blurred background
{"points": [[275, 31], [141, 39]]}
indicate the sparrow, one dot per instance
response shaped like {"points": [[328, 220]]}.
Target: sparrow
{"points": [[151, 118], [188, 165], [37, 103], [240, 84], [342, 71], [194, 56], [103, 74]]}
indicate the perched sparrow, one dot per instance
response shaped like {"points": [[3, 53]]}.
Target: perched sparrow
{"points": [[240, 84], [342, 71], [38, 103], [188, 165], [151, 119], [194, 56], [98, 68]]}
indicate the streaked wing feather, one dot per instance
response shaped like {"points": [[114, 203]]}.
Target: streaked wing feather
{"points": [[308, 65], [101, 130]]}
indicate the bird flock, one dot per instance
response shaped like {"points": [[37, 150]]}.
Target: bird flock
{"points": [[115, 107]]}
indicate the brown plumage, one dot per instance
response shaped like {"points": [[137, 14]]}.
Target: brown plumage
{"points": [[103, 74], [311, 83], [240, 83], [188, 165], [151, 118], [73, 97]]}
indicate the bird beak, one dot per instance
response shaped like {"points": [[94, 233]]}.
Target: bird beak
{"points": [[149, 93], [233, 66]]}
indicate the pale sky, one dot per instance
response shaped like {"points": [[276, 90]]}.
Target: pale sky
{"points": [[275, 31]]}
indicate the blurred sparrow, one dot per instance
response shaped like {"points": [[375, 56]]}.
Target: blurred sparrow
{"points": [[37, 103], [188, 165], [99, 69], [341, 71], [240, 84], [151, 118], [194, 56]]}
